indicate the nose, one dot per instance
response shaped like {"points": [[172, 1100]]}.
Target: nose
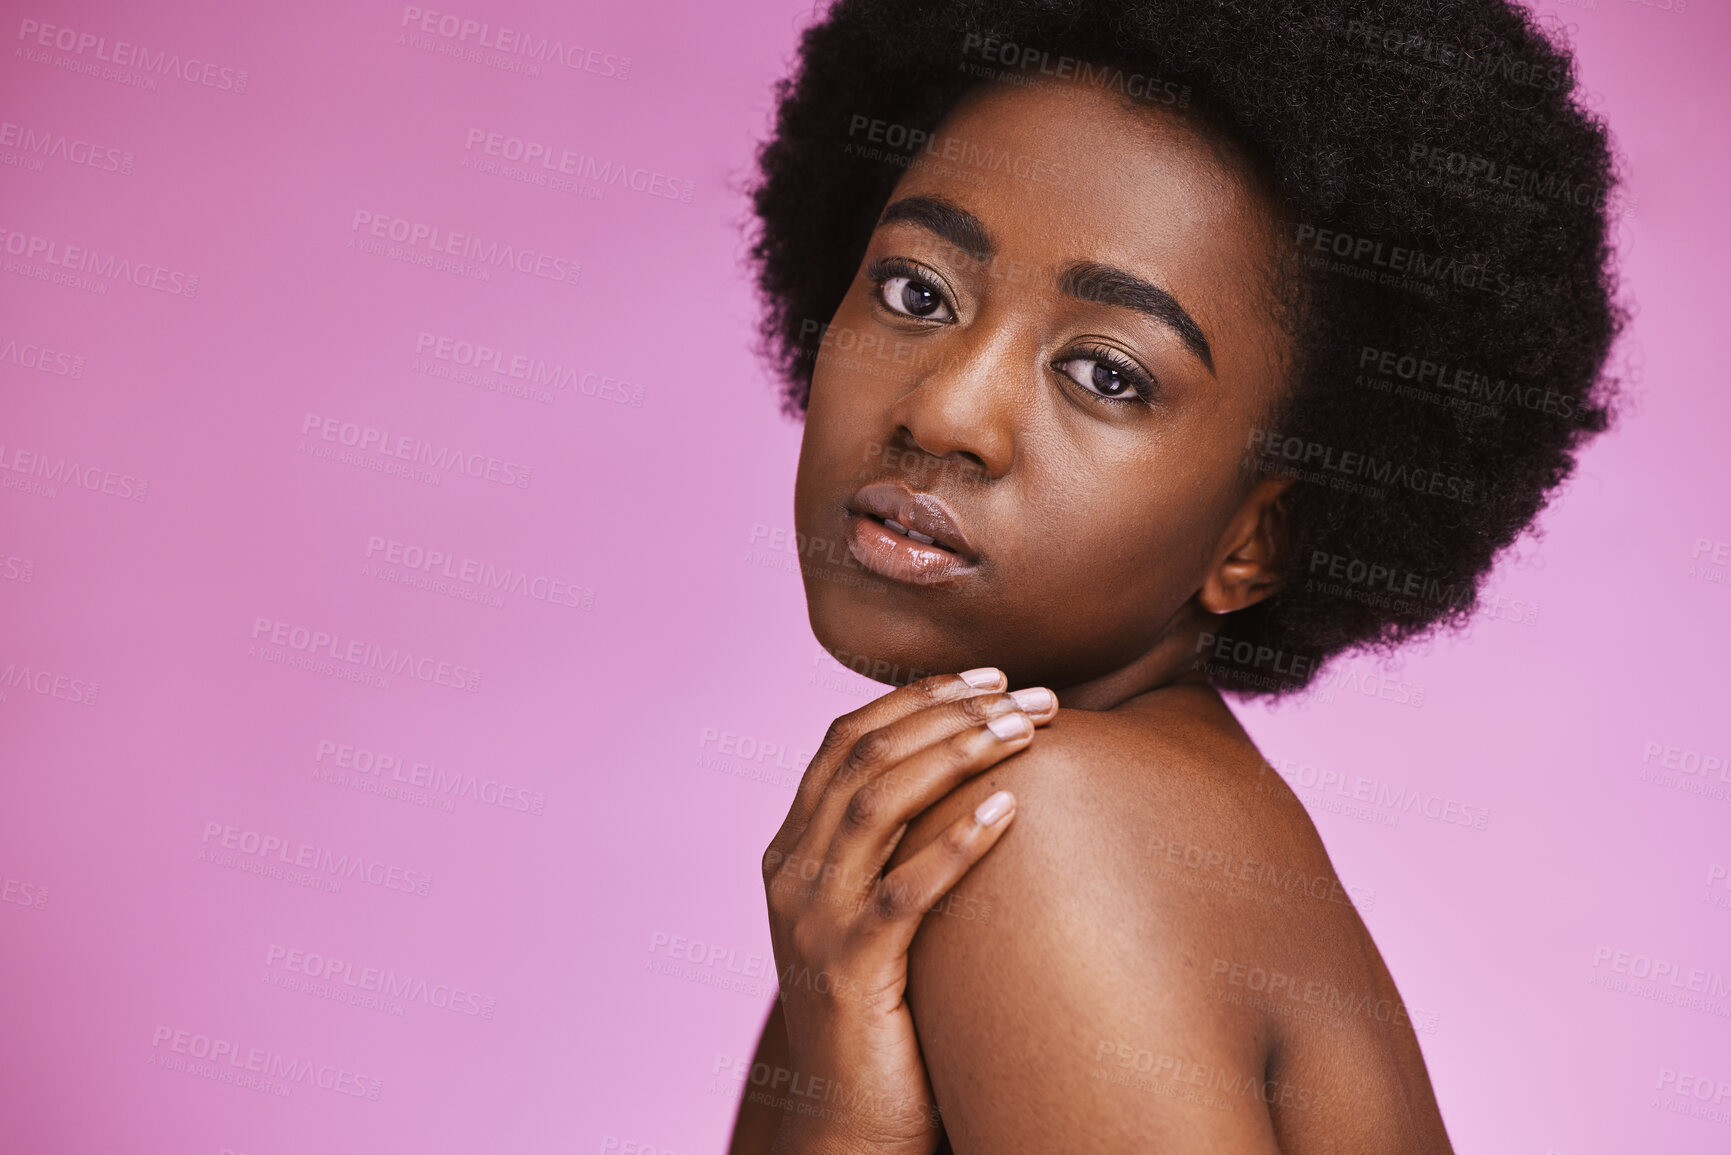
{"points": [[964, 408]]}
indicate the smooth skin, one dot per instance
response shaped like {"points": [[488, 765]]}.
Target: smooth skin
{"points": [[1156, 954]]}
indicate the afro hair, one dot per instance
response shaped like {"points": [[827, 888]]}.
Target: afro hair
{"points": [[1449, 202]]}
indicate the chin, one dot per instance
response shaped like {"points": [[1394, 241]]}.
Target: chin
{"points": [[891, 648]]}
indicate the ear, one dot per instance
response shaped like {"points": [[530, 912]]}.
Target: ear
{"points": [[1246, 566]]}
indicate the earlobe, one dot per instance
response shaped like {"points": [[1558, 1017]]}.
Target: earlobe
{"points": [[1247, 564]]}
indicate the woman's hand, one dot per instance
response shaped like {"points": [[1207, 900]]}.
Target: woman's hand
{"points": [[841, 927]]}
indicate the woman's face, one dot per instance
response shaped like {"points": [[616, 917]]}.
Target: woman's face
{"points": [[1028, 416]]}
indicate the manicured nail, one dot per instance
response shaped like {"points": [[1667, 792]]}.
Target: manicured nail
{"points": [[983, 678], [1035, 699], [1008, 726], [994, 808]]}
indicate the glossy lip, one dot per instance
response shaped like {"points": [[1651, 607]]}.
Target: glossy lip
{"points": [[893, 555]]}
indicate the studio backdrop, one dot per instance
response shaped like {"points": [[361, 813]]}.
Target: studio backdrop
{"points": [[403, 659]]}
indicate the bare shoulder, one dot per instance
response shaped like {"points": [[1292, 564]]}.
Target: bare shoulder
{"points": [[1158, 951]]}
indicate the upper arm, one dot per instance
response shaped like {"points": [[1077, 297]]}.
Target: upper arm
{"points": [[1063, 993]]}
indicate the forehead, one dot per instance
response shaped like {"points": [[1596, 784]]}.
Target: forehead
{"points": [[1064, 172]]}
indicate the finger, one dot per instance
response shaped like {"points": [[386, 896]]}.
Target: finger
{"points": [[880, 751], [846, 730], [867, 824], [905, 894], [807, 845]]}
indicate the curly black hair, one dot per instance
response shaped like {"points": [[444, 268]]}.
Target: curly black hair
{"points": [[1449, 203]]}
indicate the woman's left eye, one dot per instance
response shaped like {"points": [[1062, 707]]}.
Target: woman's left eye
{"points": [[912, 297], [1105, 377]]}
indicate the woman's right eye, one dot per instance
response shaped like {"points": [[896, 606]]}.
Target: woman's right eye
{"points": [[912, 297]]}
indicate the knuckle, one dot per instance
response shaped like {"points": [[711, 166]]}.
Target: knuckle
{"points": [[840, 734], [803, 938], [930, 689], [868, 750], [772, 860], [783, 904], [863, 809], [958, 845], [964, 748], [890, 901], [980, 707]]}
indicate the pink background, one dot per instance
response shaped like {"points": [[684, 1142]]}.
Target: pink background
{"points": [[621, 762]]}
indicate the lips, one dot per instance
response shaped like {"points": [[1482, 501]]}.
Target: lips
{"points": [[907, 536]]}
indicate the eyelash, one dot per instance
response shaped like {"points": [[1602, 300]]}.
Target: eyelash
{"points": [[1141, 384], [886, 269]]}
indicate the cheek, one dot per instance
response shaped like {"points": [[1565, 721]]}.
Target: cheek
{"points": [[1141, 538], [840, 435], [846, 417], [1095, 550]]}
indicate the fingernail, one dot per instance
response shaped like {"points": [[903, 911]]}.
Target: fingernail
{"points": [[1008, 726], [983, 678], [1035, 700], [994, 808]]}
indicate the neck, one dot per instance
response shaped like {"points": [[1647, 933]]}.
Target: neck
{"points": [[1171, 661]]}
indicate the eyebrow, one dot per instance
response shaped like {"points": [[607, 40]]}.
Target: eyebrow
{"points": [[1084, 280], [1089, 281], [951, 222]]}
